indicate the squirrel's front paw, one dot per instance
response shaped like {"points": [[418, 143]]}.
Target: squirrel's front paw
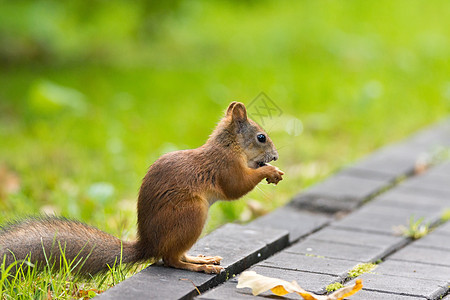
{"points": [[274, 175]]}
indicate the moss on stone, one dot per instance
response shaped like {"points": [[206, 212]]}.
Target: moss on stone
{"points": [[334, 287], [361, 269]]}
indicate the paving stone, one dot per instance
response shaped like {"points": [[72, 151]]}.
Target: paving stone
{"points": [[312, 282], [402, 197], [371, 295], [430, 213], [369, 174], [406, 211], [228, 290], [340, 192], [324, 204], [430, 289], [240, 247], [423, 255], [442, 169], [413, 270], [158, 283], [382, 244], [392, 161], [318, 248], [371, 223], [387, 220], [351, 237], [431, 181], [443, 229], [411, 189], [438, 241], [344, 186], [297, 223], [305, 263]]}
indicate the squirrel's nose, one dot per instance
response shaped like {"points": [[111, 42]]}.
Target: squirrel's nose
{"points": [[275, 157]]}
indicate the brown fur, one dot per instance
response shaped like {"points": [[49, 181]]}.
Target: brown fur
{"points": [[42, 239], [172, 206]]}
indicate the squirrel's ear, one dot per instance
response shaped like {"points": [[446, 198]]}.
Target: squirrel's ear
{"points": [[239, 113], [230, 107]]}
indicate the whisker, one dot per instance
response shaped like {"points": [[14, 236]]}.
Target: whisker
{"points": [[284, 146], [270, 129]]}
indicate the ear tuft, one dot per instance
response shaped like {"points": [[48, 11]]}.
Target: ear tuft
{"points": [[230, 108], [239, 112]]}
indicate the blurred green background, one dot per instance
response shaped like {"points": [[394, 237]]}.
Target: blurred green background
{"points": [[92, 92]]}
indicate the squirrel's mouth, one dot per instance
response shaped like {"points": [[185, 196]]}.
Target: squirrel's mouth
{"points": [[260, 164], [255, 164]]}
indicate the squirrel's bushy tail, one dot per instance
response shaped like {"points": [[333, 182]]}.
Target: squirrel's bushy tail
{"points": [[42, 240]]}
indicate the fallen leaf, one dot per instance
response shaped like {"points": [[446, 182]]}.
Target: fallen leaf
{"points": [[260, 284]]}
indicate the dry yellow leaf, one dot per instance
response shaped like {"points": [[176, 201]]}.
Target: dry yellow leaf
{"points": [[260, 284]]}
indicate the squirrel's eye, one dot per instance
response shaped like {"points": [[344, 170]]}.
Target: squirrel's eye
{"points": [[261, 138]]}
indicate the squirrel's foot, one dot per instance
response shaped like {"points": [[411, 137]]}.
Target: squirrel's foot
{"points": [[274, 174], [181, 264], [211, 269], [202, 259]]}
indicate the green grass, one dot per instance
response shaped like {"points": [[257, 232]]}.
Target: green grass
{"points": [[58, 280], [78, 136], [416, 228]]}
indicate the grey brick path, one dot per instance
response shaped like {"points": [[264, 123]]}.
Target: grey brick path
{"points": [[419, 269], [240, 246], [288, 218], [310, 240]]}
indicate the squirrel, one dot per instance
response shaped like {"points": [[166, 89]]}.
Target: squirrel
{"points": [[172, 205]]}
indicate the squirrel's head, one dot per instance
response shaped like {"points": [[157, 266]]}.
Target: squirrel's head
{"points": [[252, 139]]}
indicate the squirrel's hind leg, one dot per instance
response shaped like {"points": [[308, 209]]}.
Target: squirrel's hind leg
{"points": [[184, 223]]}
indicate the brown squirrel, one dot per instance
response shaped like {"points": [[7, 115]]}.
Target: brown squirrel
{"points": [[172, 206]]}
